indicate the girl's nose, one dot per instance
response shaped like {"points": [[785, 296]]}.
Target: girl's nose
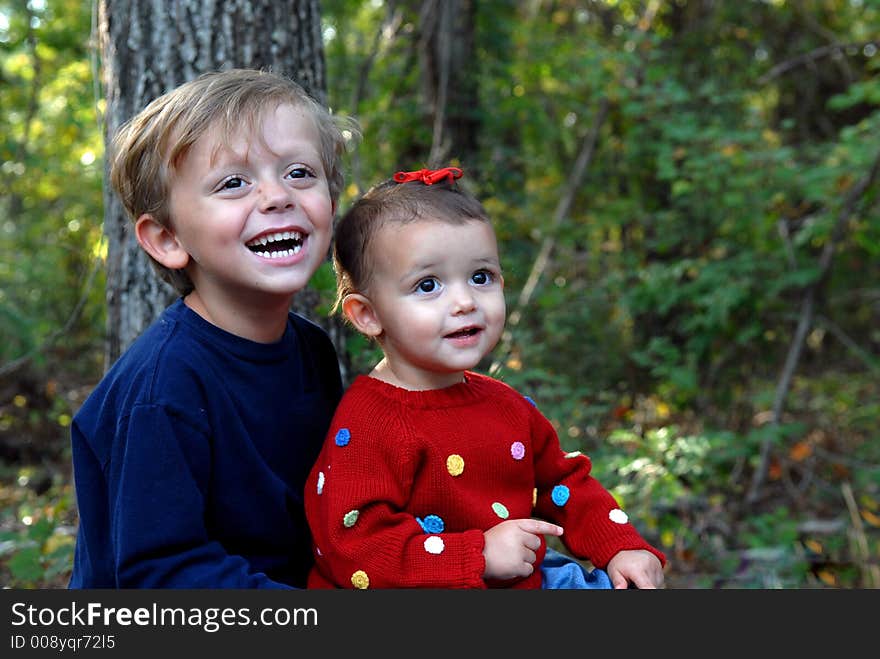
{"points": [[463, 300]]}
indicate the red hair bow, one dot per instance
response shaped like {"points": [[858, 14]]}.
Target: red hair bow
{"points": [[429, 176]]}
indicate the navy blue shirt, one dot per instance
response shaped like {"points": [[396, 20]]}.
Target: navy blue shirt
{"points": [[191, 454]]}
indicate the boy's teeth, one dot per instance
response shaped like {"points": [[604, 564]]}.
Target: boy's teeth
{"points": [[273, 237], [280, 254]]}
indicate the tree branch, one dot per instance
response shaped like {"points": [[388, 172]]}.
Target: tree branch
{"points": [[806, 320], [811, 57], [587, 150], [12, 366]]}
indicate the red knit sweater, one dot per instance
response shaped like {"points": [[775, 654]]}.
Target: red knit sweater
{"points": [[408, 481]]}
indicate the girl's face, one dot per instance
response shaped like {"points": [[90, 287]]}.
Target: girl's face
{"points": [[437, 295]]}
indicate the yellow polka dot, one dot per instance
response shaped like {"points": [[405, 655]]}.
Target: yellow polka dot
{"points": [[455, 464], [360, 580], [535, 497]]}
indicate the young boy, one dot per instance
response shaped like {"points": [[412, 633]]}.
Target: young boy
{"points": [[191, 453], [431, 474]]}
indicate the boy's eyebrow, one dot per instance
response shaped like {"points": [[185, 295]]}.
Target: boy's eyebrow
{"points": [[223, 154]]}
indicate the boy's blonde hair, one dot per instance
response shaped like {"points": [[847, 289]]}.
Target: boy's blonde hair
{"points": [[147, 149]]}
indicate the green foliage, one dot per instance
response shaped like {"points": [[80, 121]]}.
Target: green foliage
{"points": [[50, 158], [36, 535]]}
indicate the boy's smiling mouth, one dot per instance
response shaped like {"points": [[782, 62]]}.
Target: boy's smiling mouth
{"points": [[276, 245]]}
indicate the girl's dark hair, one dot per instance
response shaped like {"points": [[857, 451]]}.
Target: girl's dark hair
{"points": [[386, 203]]}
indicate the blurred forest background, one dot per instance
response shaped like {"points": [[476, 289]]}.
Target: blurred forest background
{"points": [[686, 194]]}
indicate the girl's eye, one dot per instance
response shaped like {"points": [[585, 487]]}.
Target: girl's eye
{"points": [[481, 277], [427, 285]]}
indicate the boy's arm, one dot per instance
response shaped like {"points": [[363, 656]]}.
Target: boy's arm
{"points": [[356, 498], [595, 526], [157, 512]]}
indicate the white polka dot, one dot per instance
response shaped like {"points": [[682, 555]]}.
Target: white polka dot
{"points": [[573, 454], [618, 516], [434, 544], [318, 551], [320, 482]]}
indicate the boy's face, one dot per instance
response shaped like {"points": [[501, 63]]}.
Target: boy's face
{"points": [[255, 218], [437, 292]]}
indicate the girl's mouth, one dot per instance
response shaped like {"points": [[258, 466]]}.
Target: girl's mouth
{"points": [[463, 333]]}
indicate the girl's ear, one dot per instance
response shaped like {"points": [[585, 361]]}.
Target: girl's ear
{"points": [[360, 312], [160, 242]]}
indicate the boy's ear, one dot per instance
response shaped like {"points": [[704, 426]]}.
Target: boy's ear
{"points": [[160, 242], [359, 311]]}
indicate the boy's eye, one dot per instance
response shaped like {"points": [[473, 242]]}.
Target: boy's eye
{"points": [[232, 183], [428, 285], [482, 277], [300, 172]]}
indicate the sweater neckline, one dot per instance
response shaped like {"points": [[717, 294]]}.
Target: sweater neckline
{"points": [[239, 346], [458, 394]]}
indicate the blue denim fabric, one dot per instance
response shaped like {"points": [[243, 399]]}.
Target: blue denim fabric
{"points": [[563, 572]]}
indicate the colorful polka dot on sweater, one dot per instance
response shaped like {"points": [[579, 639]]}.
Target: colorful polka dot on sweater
{"points": [[573, 454], [343, 437], [455, 464], [320, 482], [431, 524], [534, 497], [560, 495], [517, 450], [618, 516], [501, 510], [434, 544], [533, 403], [350, 518], [360, 580]]}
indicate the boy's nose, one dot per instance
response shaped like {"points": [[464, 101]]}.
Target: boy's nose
{"points": [[275, 196]]}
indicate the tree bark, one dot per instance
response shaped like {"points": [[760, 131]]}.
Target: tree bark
{"points": [[149, 48], [449, 79]]}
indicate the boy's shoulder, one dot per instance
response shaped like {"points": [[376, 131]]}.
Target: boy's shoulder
{"points": [[159, 348], [308, 327], [168, 333]]}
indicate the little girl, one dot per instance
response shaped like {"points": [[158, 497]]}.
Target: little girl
{"points": [[433, 475]]}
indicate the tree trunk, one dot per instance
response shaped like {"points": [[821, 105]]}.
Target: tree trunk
{"points": [[449, 79], [149, 48]]}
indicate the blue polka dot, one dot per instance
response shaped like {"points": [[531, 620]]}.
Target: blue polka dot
{"points": [[343, 437], [560, 495], [531, 401], [431, 524]]}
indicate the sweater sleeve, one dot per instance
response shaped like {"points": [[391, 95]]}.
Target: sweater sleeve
{"points": [[594, 526], [157, 491], [356, 498]]}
